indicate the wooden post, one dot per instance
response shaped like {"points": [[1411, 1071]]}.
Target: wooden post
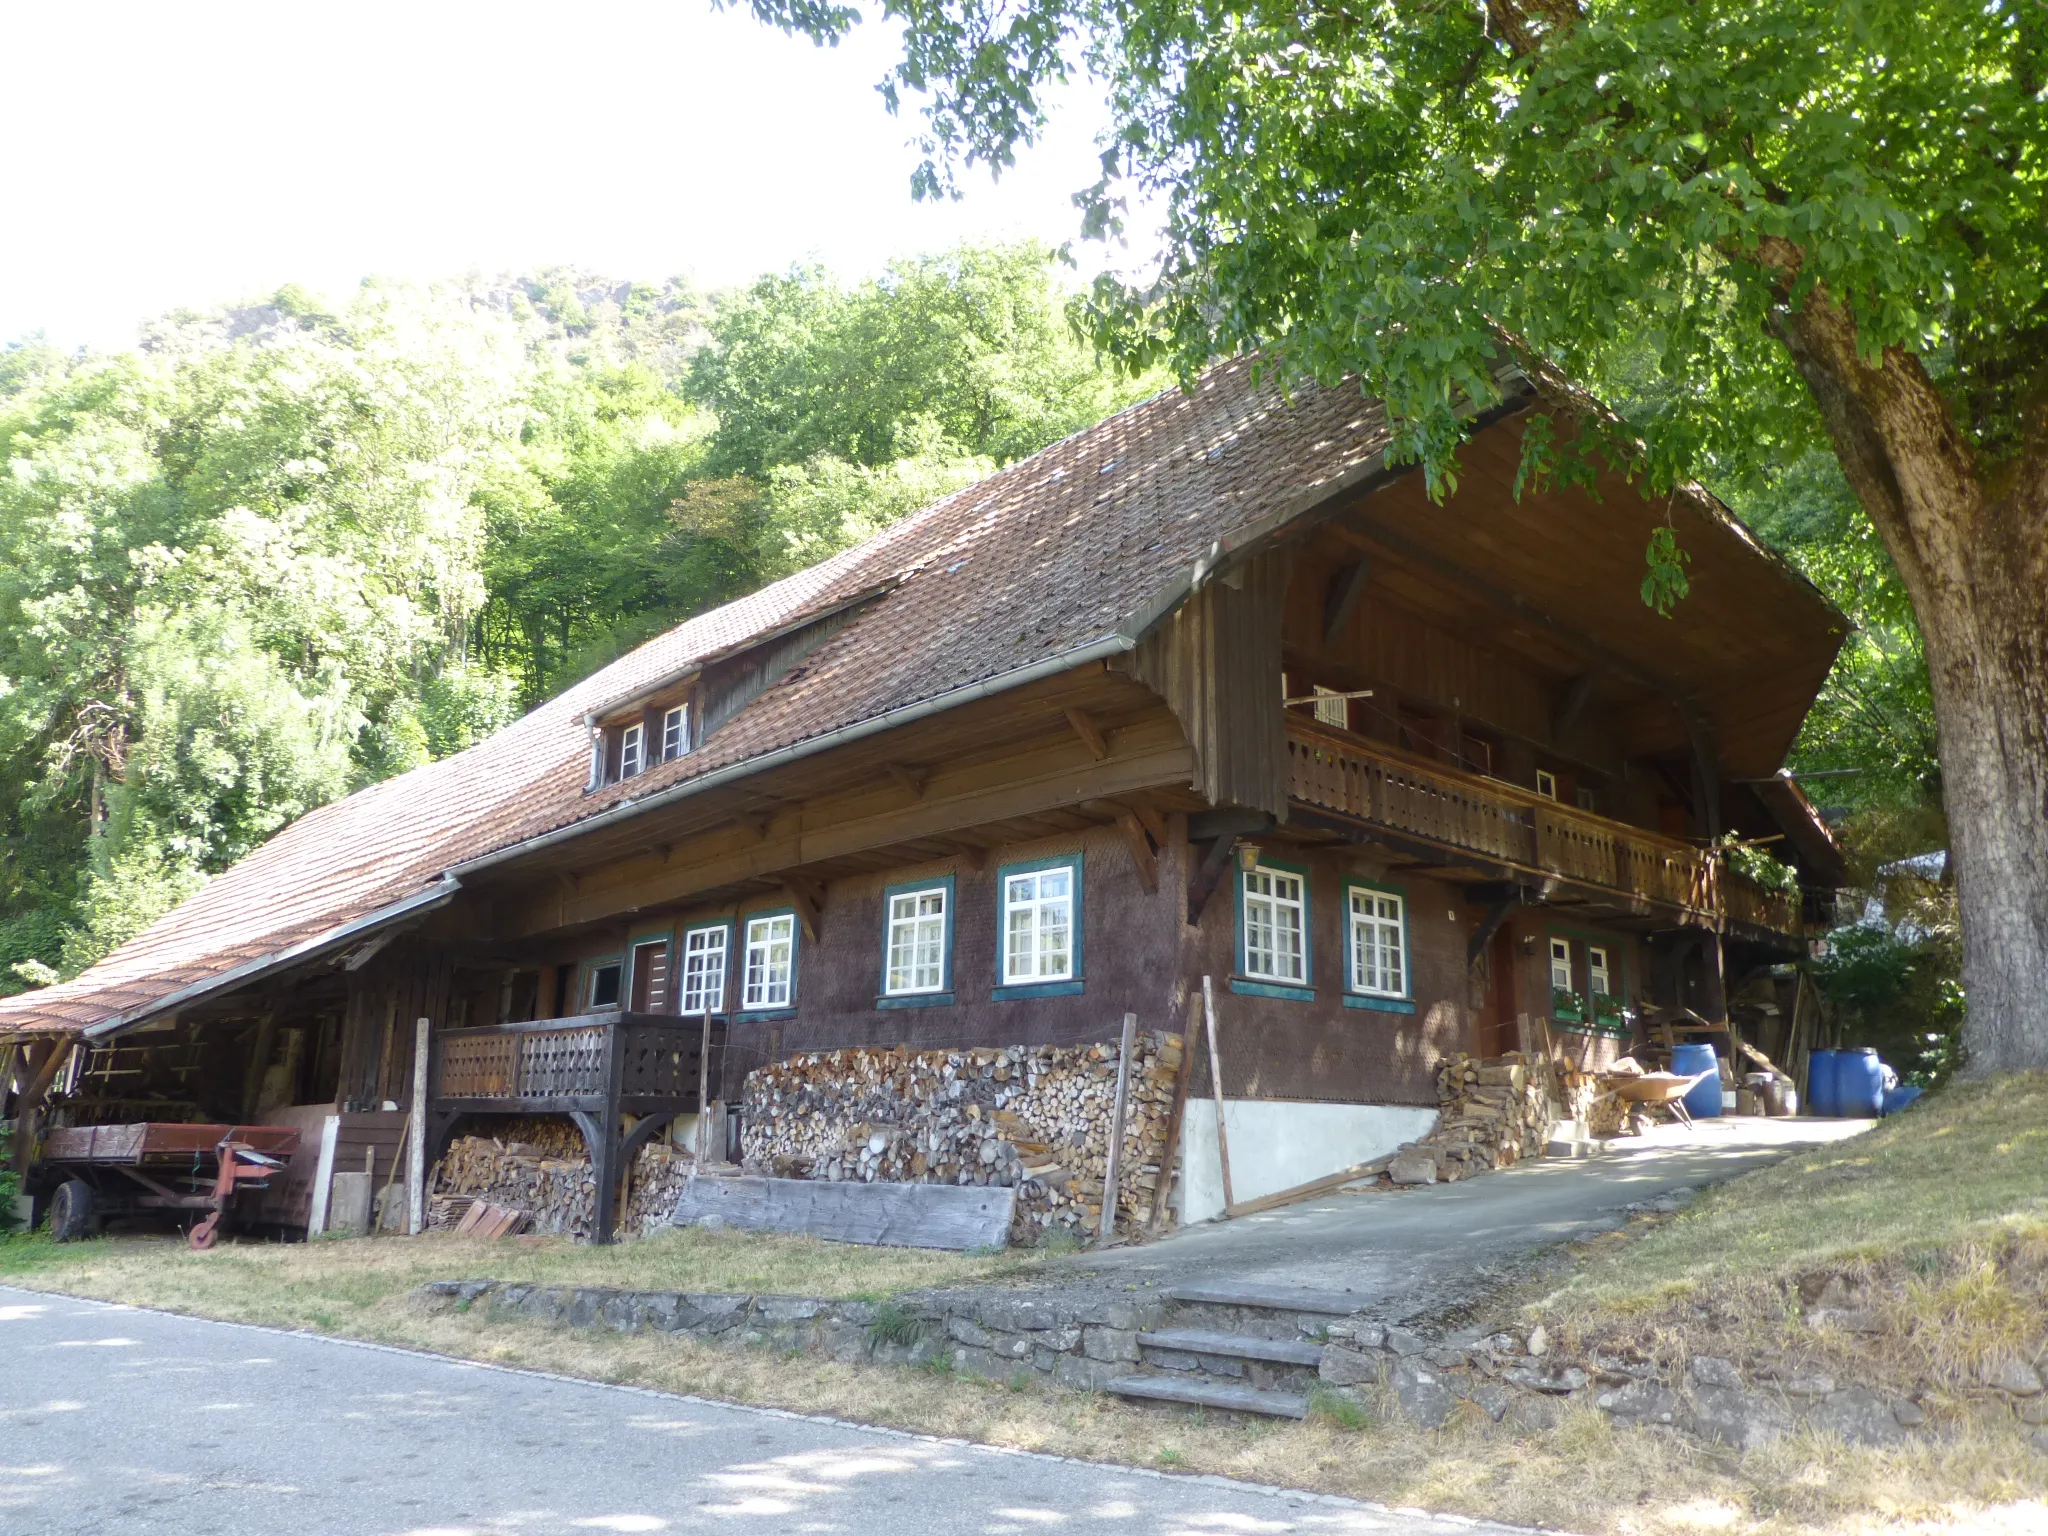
{"points": [[323, 1176], [605, 1155], [416, 1138], [1216, 1087], [1113, 1169], [1190, 1042], [704, 1093]]}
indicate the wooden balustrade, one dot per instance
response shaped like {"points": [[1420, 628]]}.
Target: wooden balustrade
{"points": [[562, 1060], [1504, 824]]}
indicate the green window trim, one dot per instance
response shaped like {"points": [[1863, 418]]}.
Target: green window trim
{"points": [[1075, 980], [927, 997], [796, 950], [1286, 991], [1352, 990], [1305, 987]]}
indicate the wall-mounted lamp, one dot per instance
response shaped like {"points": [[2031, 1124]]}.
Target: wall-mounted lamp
{"points": [[1247, 856], [1528, 943]]}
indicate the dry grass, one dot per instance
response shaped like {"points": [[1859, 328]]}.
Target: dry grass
{"points": [[1919, 1197]]}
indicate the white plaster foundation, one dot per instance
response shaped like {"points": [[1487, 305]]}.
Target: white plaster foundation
{"points": [[1276, 1144]]}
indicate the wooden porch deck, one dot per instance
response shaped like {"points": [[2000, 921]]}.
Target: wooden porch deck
{"points": [[1504, 825]]}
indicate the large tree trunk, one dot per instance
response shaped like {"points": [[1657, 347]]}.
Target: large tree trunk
{"points": [[1973, 553]]}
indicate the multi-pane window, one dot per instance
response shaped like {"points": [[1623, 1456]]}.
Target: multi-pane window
{"points": [[703, 989], [1332, 708], [632, 751], [1275, 927], [1378, 951], [1038, 926], [917, 943], [1599, 978], [1561, 964], [675, 732], [770, 962]]}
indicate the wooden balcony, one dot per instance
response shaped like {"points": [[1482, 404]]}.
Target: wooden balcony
{"points": [[1503, 825], [594, 1068]]}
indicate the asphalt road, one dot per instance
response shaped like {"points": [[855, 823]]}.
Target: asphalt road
{"points": [[114, 1420]]}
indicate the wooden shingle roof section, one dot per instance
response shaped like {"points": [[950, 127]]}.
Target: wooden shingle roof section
{"points": [[1067, 555]]}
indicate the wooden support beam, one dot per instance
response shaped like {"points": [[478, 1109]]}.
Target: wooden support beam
{"points": [[1150, 819], [1346, 586], [1112, 1174], [1208, 875], [1569, 707], [908, 777], [1091, 737], [808, 897], [1489, 925], [756, 821], [1706, 773], [1143, 858]]}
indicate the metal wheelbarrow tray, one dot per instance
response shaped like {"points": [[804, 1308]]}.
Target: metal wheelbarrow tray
{"points": [[107, 1170]]}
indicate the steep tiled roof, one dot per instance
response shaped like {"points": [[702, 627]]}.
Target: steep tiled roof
{"points": [[1056, 553]]}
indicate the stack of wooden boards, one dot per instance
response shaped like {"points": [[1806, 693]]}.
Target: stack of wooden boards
{"points": [[1033, 1117]]}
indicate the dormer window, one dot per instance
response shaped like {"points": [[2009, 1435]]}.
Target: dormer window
{"points": [[675, 732], [632, 753]]}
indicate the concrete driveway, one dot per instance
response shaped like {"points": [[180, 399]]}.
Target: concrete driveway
{"points": [[1426, 1255], [127, 1423]]}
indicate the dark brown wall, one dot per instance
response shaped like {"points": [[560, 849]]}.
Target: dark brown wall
{"points": [[1275, 1048]]}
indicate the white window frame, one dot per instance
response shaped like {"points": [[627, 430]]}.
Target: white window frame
{"points": [[910, 928], [1276, 905], [703, 953], [761, 987], [675, 732], [632, 750], [590, 1002], [1546, 783], [1024, 896], [1561, 955], [1599, 973], [1377, 921], [1332, 708]]}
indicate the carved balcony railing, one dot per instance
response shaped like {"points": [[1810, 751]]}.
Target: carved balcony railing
{"points": [[633, 1061], [1502, 824]]}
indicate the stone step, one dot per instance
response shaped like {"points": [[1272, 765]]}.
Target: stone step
{"points": [[1233, 1346], [1270, 1298], [1200, 1392]]}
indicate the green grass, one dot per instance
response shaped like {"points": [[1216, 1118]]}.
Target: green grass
{"points": [[331, 1285], [1966, 1167]]}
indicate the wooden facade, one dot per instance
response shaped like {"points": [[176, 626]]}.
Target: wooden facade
{"points": [[1383, 722]]}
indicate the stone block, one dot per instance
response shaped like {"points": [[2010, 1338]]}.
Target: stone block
{"points": [[961, 1331], [1424, 1399], [1555, 1378], [1532, 1415], [1110, 1343], [1085, 1375], [1360, 1335], [1746, 1420], [1402, 1342], [786, 1309], [1858, 1415], [979, 1362], [2011, 1375], [1641, 1402], [1017, 1315], [586, 1304], [1711, 1371], [544, 1303], [1416, 1167], [1492, 1398], [1909, 1413], [1060, 1340], [659, 1311], [714, 1311], [844, 1343], [2030, 1410], [1015, 1347], [1342, 1367], [621, 1311]]}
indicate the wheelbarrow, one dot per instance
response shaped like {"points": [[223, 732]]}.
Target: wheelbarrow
{"points": [[1655, 1090]]}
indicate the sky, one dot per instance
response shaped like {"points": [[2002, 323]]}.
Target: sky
{"points": [[167, 156]]}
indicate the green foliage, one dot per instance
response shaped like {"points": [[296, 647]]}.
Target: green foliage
{"points": [[1338, 1408], [293, 548], [10, 1183], [894, 1323], [1895, 988], [1757, 866]]}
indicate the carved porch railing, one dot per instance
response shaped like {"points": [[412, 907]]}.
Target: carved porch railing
{"points": [[595, 1069], [1503, 824]]}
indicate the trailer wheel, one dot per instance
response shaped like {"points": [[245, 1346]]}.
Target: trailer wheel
{"points": [[71, 1212]]}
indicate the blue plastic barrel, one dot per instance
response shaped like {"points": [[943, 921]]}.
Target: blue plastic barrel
{"points": [[1704, 1102], [1820, 1083], [1859, 1083]]}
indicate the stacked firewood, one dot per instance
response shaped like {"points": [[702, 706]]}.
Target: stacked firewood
{"points": [[539, 1166], [1497, 1112], [1033, 1117]]}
